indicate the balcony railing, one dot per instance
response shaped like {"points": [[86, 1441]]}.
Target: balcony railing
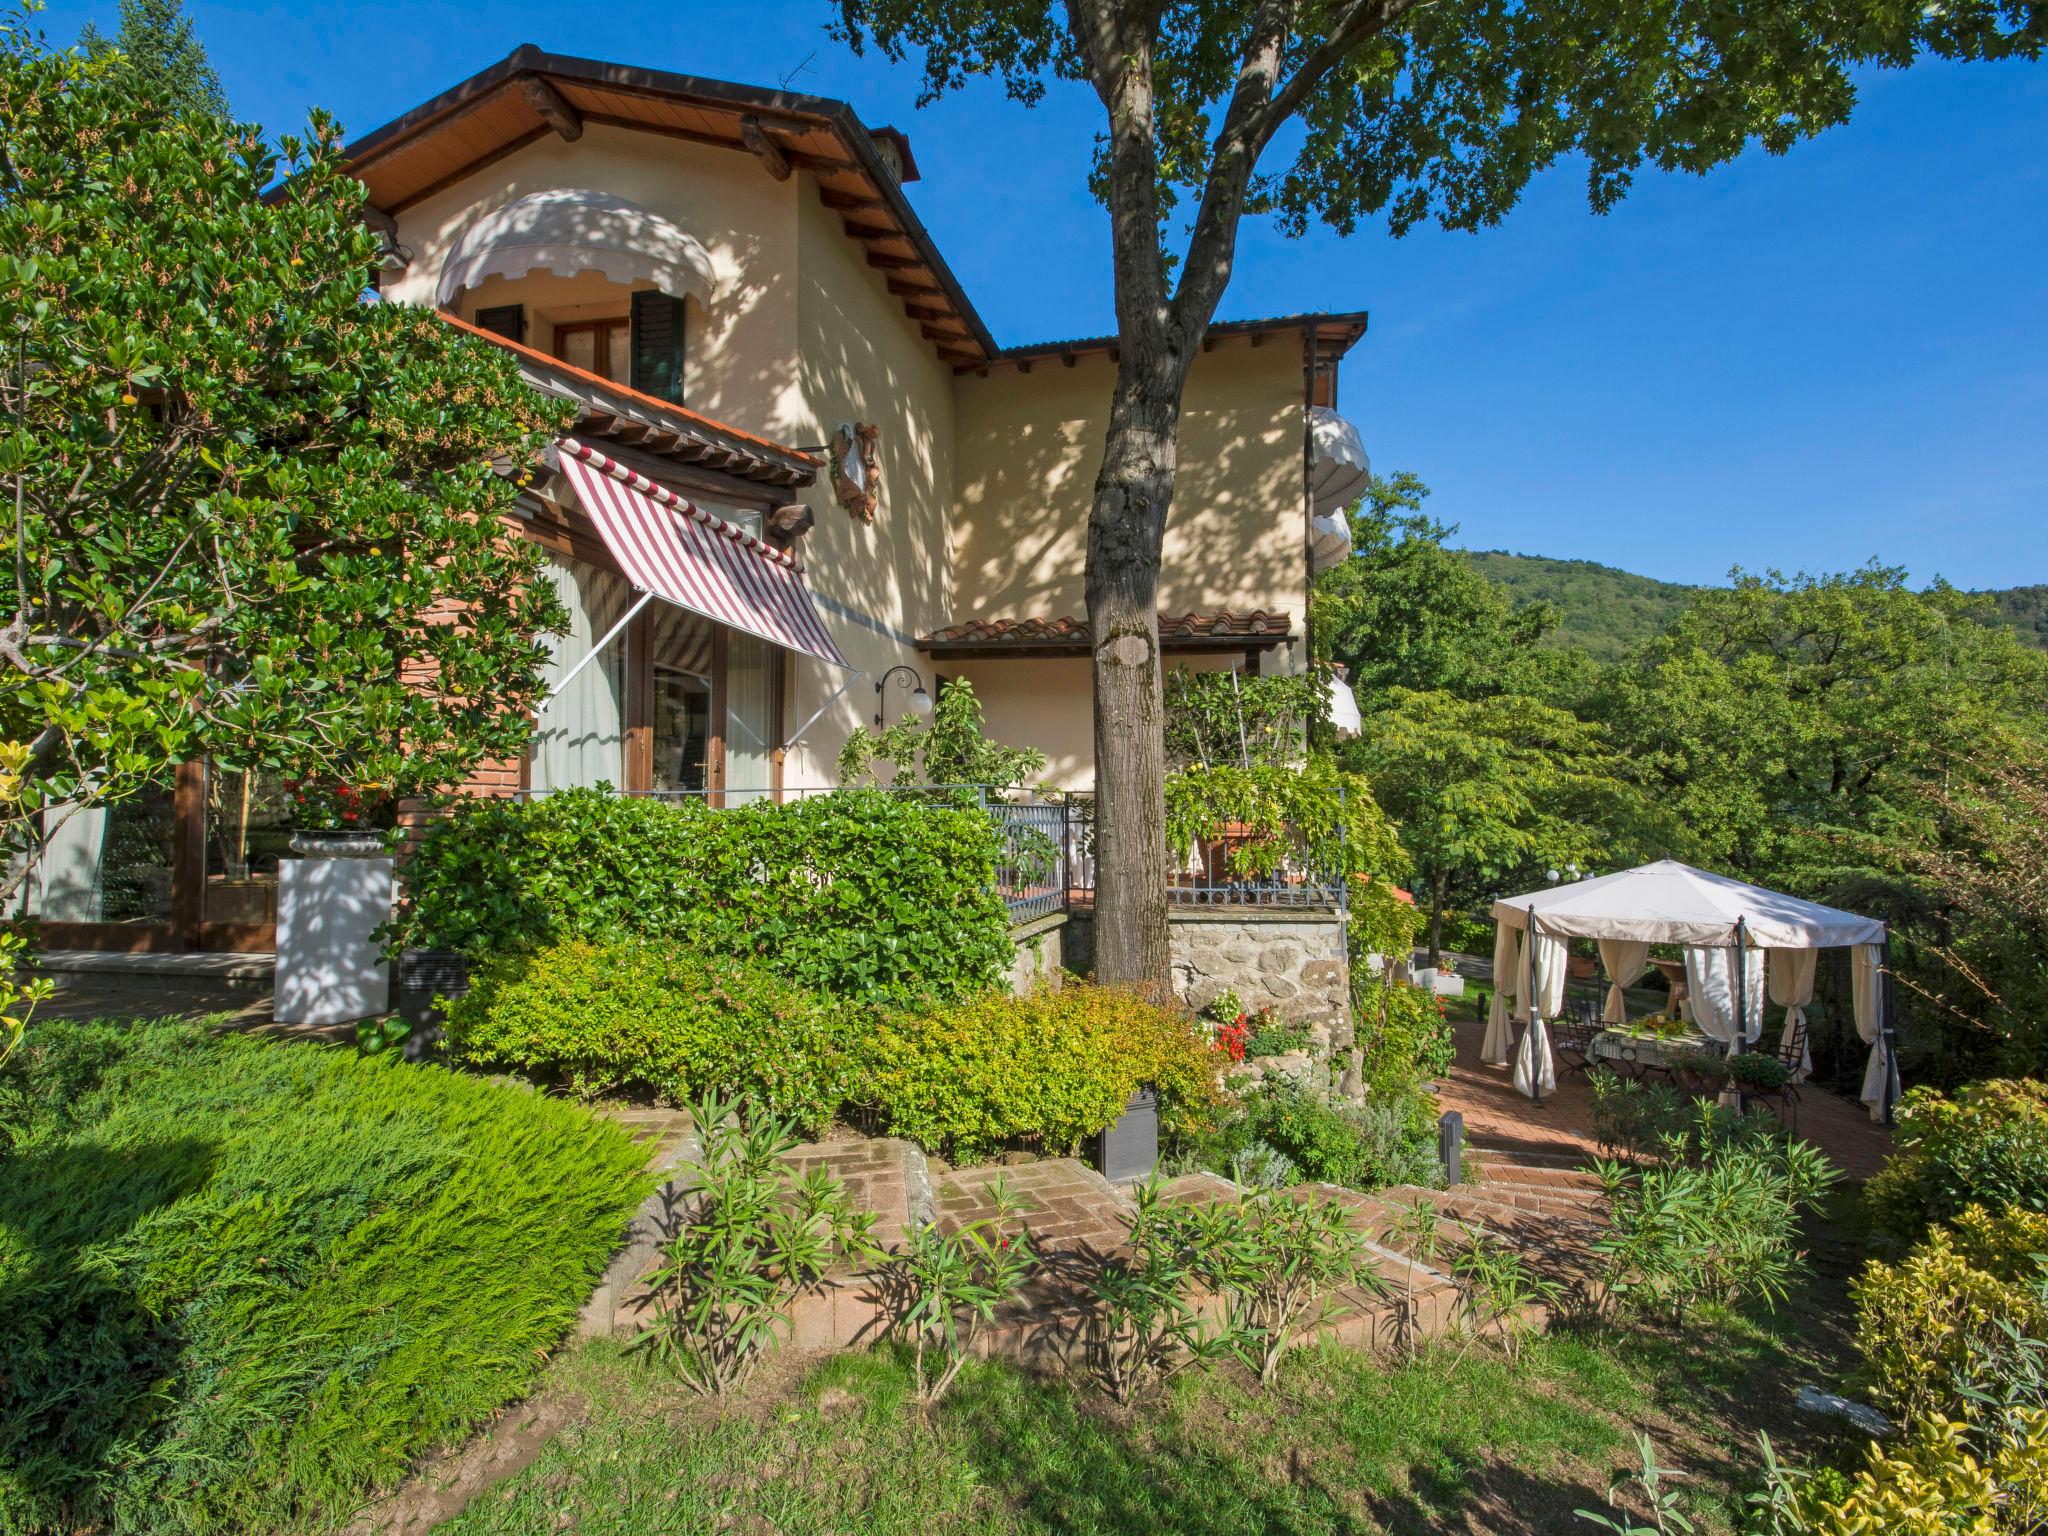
{"points": [[1220, 871]]}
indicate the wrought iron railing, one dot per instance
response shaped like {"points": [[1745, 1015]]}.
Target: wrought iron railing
{"points": [[1226, 869]]}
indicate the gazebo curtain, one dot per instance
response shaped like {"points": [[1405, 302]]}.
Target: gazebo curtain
{"points": [[1626, 961], [1866, 971], [1542, 988], [1710, 980], [1507, 970], [1791, 973]]}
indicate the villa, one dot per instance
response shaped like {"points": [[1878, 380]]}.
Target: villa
{"points": [[804, 487]]}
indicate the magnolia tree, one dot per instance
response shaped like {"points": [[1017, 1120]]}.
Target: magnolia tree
{"points": [[251, 513], [1440, 110]]}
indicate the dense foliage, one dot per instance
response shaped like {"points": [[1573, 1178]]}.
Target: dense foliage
{"points": [[949, 748], [1842, 737], [1282, 1132], [247, 1283], [595, 1018], [1315, 815], [1242, 719], [255, 516], [861, 895], [1044, 1071], [1988, 1145], [1594, 608]]}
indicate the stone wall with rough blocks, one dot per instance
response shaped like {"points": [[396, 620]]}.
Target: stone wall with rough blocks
{"points": [[1293, 963]]}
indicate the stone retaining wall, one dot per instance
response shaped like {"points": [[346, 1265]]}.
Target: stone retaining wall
{"points": [[1293, 963]]}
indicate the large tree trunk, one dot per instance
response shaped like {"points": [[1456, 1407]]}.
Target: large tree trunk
{"points": [[1126, 529]]}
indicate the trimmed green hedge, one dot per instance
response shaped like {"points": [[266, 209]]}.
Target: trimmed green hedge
{"points": [[243, 1284], [1047, 1070], [596, 1017], [858, 894]]}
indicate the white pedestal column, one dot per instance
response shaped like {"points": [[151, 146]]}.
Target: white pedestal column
{"points": [[329, 968]]}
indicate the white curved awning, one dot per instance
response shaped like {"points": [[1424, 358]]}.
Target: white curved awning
{"points": [[567, 231], [1338, 466], [1344, 716], [1329, 539]]}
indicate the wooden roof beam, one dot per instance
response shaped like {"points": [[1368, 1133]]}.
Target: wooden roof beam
{"points": [[904, 290], [765, 149], [874, 232], [894, 263], [554, 108], [848, 202]]}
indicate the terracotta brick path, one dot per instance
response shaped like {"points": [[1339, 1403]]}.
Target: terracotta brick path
{"points": [[1498, 1119]]}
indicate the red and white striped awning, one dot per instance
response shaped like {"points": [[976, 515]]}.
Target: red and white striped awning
{"points": [[686, 556]]}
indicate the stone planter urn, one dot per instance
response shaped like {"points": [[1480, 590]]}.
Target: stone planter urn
{"points": [[337, 843]]}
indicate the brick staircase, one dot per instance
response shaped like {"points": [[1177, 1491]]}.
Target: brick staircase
{"points": [[1077, 1220]]}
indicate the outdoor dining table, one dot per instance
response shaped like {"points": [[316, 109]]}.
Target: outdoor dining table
{"points": [[1654, 1053]]}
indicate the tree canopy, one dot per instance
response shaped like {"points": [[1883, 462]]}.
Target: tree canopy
{"points": [[254, 514], [166, 62], [1441, 110]]}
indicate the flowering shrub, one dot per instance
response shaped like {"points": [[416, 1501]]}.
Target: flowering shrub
{"points": [[1046, 1070], [328, 805]]}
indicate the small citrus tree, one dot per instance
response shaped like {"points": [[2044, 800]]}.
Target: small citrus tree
{"points": [[249, 511]]}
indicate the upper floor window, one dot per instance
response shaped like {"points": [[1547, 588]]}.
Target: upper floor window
{"points": [[597, 281]]}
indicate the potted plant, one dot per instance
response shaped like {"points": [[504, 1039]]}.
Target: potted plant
{"points": [[334, 819]]}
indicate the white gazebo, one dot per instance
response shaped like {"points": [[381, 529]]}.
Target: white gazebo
{"points": [[1741, 942]]}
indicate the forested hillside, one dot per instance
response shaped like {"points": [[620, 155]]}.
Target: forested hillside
{"points": [[1605, 610]]}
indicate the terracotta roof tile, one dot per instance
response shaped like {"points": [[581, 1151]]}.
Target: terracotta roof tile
{"points": [[1220, 631]]}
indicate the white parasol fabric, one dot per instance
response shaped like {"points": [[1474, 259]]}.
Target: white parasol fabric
{"points": [[1673, 903]]}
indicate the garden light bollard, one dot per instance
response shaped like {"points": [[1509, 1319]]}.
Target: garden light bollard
{"points": [[1450, 1147]]}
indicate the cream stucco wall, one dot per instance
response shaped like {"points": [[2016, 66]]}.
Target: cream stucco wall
{"points": [[985, 480], [1029, 447], [881, 584], [739, 350]]}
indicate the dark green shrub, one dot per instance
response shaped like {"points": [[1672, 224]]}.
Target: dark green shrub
{"points": [[1366, 1146], [1988, 1145], [1047, 1070], [596, 1017], [859, 894], [1404, 1037], [244, 1284]]}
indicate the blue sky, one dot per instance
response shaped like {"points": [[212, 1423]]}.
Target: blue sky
{"points": [[1799, 362]]}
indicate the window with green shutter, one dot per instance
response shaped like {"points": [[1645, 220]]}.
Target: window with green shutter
{"points": [[658, 346], [506, 320]]}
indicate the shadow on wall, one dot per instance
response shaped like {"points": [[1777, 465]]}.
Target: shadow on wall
{"points": [[1030, 448]]}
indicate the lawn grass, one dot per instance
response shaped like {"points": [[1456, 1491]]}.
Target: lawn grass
{"points": [[244, 1282], [1341, 1443]]}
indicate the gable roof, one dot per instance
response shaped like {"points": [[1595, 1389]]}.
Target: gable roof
{"points": [[502, 109], [519, 99]]}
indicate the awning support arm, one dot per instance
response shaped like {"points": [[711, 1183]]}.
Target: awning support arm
{"points": [[593, 653], [797, 735]]}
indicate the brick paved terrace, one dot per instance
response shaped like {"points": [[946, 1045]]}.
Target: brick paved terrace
{"points": [[1500, 1120]]}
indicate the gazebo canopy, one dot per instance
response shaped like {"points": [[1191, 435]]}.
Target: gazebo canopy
{"points": [[1672, 903]]}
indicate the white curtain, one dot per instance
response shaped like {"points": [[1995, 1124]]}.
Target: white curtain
{"points": [[1866, 971], [1507, 967], [1710, 979], [1626, 960], [1542, 987], [750, 678], [1543, 984], [1791, 973], [580, 738], [1535, 1069]]}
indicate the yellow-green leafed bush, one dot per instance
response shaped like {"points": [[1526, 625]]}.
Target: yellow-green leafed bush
{"points": [[1047, 1070], [1936, 1484], [1987, 1145], [600, 1017], [1934, 1317]]}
